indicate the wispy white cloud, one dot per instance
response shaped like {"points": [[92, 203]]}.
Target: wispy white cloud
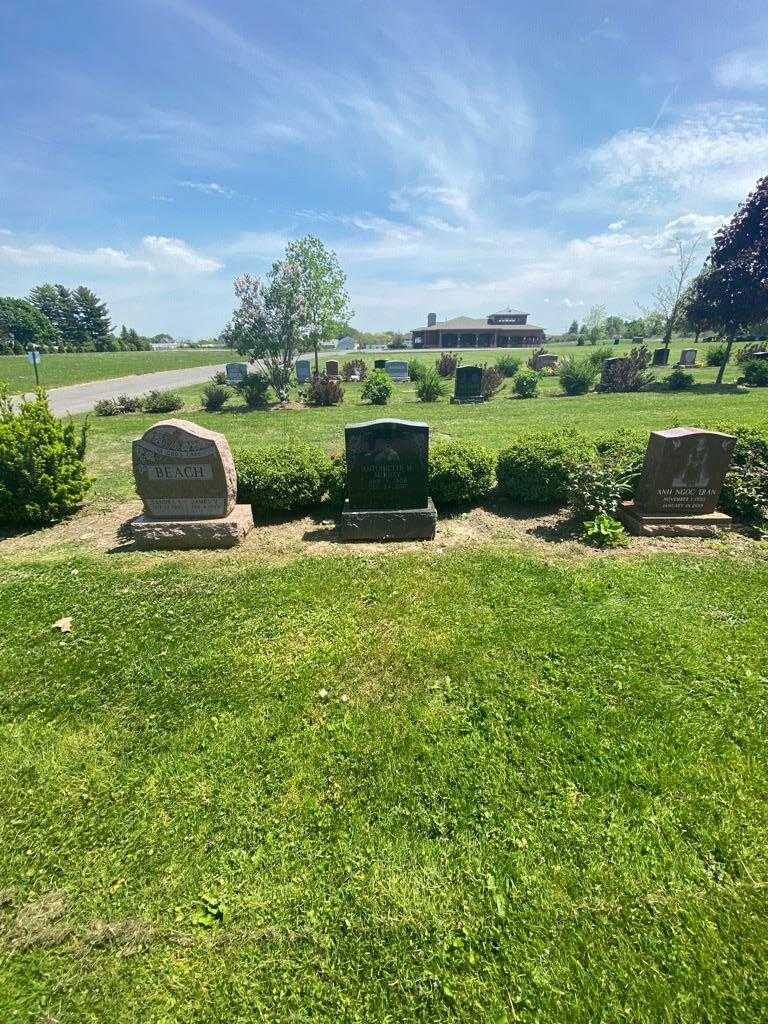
{"points": [[211, 188], [743, 69], [175, 255], [157, 254]]}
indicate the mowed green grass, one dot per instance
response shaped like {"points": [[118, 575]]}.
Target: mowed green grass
{"points": [[532, 793], [57, 370], [493, 423]]}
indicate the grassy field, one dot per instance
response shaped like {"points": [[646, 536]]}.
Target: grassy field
{"points": [[530, 793], [492, 423], [79, 368]]}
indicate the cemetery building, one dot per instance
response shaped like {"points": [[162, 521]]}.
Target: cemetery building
{"points": [[346, 344], [506, 329]]}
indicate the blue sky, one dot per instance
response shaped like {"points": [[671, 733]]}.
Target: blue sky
{"points": [[459, 157]]}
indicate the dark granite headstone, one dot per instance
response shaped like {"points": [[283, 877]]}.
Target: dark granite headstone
{"points": [[388, 482], [688, 357], [680, 485], [332, 368], [468, 386], [303, 371], [397, 369], [661, 357], [611, 369], [379, 364]]}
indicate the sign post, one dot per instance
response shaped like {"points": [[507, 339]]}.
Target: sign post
{"points": [[34, 356]]}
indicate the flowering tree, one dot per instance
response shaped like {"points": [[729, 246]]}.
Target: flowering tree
{"points": [[270, 325], [322, 287], [731, 293]]}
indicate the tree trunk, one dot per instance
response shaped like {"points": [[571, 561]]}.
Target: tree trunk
{"points": [[721, 371], [317, 362], [667, 339]]}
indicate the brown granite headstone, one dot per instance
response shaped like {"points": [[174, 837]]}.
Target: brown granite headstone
{"points": [[185, 475], [680, 484]]}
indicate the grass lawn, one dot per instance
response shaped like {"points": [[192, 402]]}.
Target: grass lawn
{"points": [[492, 423], [533, 792], [57, 370]]}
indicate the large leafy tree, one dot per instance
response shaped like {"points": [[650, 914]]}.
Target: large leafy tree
{"points": [[22, 325], [93, 318], [326, 303], [731, 293], [270, 324], [56, 302]]}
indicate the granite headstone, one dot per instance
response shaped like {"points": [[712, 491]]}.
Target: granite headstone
{"points": [[379, 364], [388, 482], [611, 370], [397, 369], [680, 484], [303, 371], [688, 357], [236, 372], [661, 357], [332, 368], [541, 360], [186, 478], [468, 385]]}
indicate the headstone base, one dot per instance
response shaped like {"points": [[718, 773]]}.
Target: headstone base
{"points": [[639, 524], [178, 534], [472, 400], [389, 524]]}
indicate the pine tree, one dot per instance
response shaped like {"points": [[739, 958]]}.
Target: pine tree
{"points": [[93, 318], [574, 328], [55, 301]]}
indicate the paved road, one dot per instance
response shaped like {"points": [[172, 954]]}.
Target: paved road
{"points": [[82, 397]]}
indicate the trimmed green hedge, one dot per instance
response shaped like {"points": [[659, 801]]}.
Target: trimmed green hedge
{"points": [[536, 468], [282, 478], [460, 472]]}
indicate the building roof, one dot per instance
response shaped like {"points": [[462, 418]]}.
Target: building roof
{"points": [[469, 324], [509, 312]]}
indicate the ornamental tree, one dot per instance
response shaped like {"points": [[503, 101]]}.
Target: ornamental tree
{"points": [[326, 303], [270, 325], [731, 293]]}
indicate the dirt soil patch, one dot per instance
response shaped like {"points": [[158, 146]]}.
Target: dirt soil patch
{"points": [[552, 535]]}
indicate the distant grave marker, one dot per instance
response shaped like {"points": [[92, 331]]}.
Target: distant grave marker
{"points": [[468, 385], [397, 369], [236, 372], [303, 371]]}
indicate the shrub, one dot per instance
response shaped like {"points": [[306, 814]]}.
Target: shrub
{"points": [[130, 403], [747, 352], [536, 469], [431, 387], [220, 377], [215, 396], [253, 388], [715, 355], [508, 364], [417, 369], [526, 384], [493, 381], [107, 407], [597, 485], [605, 532], [354, 367], [460, 472], [577, 375], [531, 363], [446, 364], [324, 390], [378, 388], [756, 373], [631, 374], [598, 356], [163, 401], [745, 493], [679, 380], [337, 480], [42, 463], [282, 478]]}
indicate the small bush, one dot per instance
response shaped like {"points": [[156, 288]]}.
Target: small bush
{"points": [[431, 387], [605, 532], [163, 401], [42, 463], [679, 380], [130, 403], [253, 388], [460, 472], [597, 485], [526, 384], [577, 375], [446, 364], [378, 388], [417, 369], [220, 377], [756, 373], [631, 374], [745, 491], [715, 355], [324, 390], [337, 480], [598, 356], [508, 365], [354, 367], [215, 396], [282, 478], [492, 382], [107, 407], [747, 352], [537, 468]]}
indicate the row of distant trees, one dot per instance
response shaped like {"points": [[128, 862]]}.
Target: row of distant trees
{"points": [[55, 318]]}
